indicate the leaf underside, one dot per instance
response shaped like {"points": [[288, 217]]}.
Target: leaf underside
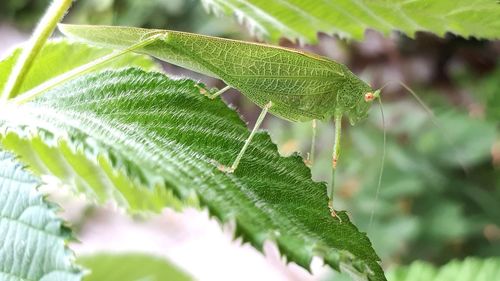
{"points": [[32, 238], [163, 132], [302, 19]]}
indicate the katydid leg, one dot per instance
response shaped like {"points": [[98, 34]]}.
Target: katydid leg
{"points": [[31, 94], [218, 93], [335, 159], [248, 140], [310, 156]]}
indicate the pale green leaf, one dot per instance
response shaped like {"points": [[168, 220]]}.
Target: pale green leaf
{"points": [[60, 56], [470, 269], [163, 132], [32, 238], [303, 19], [130, 267], [92, 175]]}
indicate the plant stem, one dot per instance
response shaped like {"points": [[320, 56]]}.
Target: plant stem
{"points": [[43, 30]]}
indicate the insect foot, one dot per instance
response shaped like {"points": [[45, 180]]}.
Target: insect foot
{"points": [[225, 169], [332, 211], [211, 94], [308, 160], [202, 90]]}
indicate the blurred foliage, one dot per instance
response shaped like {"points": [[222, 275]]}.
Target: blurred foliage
{"points": [[130, 267], [184, 15], [485, 89], [470, 269], [23, 13], [187, 15]]}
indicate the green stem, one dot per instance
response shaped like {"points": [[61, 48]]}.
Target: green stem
{"points": [[44, 29]]}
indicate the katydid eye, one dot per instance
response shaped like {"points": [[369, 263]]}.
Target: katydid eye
{"points": [[369, 97]]}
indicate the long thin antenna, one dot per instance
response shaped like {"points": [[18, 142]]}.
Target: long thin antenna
{"points": [[382, 164], [421, 102], [433, 120]]}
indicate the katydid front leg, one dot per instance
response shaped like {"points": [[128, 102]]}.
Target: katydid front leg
{"points": [[310, 156], [218, 93], [248, 140]]}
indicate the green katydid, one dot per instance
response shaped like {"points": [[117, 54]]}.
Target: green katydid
{"points": [[290, 84]]}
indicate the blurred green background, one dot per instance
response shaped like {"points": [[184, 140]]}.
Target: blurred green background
{"points": [[440, 191]]}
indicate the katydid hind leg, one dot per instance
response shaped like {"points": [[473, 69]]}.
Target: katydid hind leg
{"points": [[310, 156], [335, 159], [236, 162], [33, 93]]}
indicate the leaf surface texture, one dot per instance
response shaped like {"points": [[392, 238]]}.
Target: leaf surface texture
{"points": [[160, 132], [32, 237]]}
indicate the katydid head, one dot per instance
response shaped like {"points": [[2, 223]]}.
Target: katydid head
{"points": [[355, 97], [363, 96], [371, 96]]}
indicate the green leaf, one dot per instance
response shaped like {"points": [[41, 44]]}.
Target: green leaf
{"points": [[60, 56], [303, 19], [470, 269], [92, 175], [85, 175], [130, 267], [32, 238], [163, 132]]}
